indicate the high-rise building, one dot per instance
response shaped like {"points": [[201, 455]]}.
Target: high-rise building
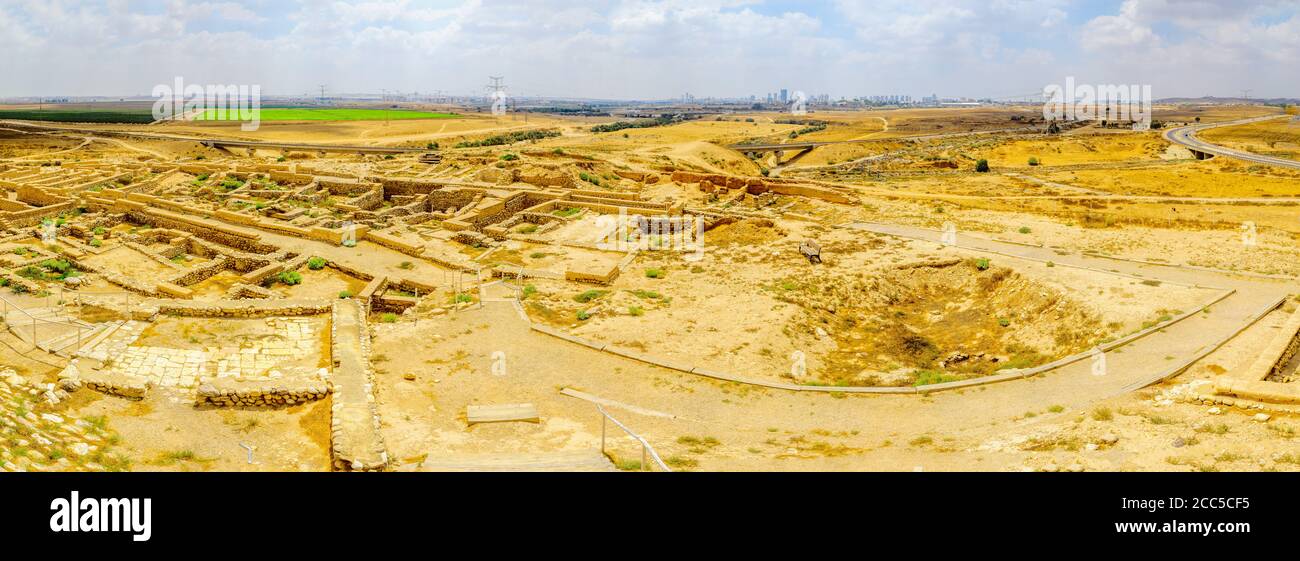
{"points": [[785, 95]]}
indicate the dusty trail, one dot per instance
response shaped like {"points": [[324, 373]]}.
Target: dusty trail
{"points": [[703, 406]]}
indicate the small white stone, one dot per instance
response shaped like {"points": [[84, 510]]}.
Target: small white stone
{"points": [[1215, 411], [1262, 417]]}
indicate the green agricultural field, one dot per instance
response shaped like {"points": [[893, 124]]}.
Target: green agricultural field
{"points": [[308, 114], [78, 116]]}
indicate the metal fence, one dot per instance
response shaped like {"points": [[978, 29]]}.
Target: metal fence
{"points": [[647, 451]]}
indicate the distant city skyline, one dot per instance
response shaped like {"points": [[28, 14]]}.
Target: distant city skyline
{"points": [[630, 49]]}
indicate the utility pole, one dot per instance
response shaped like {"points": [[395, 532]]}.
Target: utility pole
{"points": [[1246, 95], [321, 101]]}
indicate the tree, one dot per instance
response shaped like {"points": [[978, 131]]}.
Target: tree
{"points": [[982, 166]]}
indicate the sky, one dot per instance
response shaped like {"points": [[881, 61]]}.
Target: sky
{"points": [[642, 49]]}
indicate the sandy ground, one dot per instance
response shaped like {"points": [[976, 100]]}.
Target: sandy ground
{"points": [[754, 300]]}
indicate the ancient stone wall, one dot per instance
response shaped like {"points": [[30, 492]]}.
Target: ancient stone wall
{"points": [[209, 232], [204, 272], [242, 308], [116, 383], [283, 392]]}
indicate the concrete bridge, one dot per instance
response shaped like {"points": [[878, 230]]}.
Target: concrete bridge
{"points": [[1186, 136], [800, 149]]}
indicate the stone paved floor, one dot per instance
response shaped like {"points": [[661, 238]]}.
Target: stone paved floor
{"points": [[117, 342], [166, 367]]}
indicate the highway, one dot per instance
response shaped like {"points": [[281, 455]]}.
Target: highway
{"points": [[1186, 136]]}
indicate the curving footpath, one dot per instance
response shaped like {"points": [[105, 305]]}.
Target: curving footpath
{"points": [[1148, 357], [694, 404], [1186, 136]]}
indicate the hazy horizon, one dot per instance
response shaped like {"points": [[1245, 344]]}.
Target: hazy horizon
{"points": [[623, 50]]}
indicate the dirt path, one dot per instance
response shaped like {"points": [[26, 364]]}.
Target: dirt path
{"points": [[748, 419]]}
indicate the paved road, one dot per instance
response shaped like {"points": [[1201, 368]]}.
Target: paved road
{"points": [[1186, 136]]}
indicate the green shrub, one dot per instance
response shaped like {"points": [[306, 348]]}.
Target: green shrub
{"points": [[1033, 161], [583, 315], [345, 294], [406, 265], [589, 295], [655, 273], [290, 277], [1025, 230], [509, 138], [636, 310], [567, 212], [927, 377], [96, 242], [509, 157], [982, 166], [982, 264], [316, 263], [388, 317]]}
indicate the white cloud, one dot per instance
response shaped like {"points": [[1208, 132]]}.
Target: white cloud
{"points": [[1125, 30], [643, 48]]}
